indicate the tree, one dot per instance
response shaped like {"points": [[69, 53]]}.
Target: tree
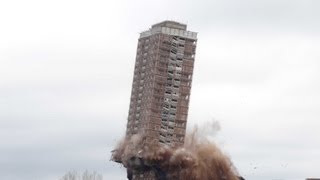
{"points": [[74, 175]]}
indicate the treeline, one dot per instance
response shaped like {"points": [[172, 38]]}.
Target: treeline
{"points": [[74, 175]]}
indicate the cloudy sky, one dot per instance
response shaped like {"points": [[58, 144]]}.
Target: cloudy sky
{"points": [[66, 68]]}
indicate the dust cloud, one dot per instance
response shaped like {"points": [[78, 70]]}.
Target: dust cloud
{"points": [[197, 159]]}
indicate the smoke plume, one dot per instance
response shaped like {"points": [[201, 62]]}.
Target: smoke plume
{"points": [[197, 159]]}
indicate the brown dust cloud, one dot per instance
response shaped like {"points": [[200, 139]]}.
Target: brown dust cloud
{"points": [[198, 159]]}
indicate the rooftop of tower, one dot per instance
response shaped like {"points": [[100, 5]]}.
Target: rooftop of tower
{"points": [[171, 24], [171, 28]]}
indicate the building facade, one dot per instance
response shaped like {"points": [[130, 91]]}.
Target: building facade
{"points": [[161, 84]]}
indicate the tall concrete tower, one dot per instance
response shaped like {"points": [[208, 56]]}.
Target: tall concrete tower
{"points": [[161, 84]]}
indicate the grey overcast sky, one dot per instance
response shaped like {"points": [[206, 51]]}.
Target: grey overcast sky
{"points": [[66, 69]]}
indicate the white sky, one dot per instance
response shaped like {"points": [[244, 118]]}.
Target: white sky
{"points": [[66, 69]]}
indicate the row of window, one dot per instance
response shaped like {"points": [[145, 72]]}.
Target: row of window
{"points": [[169, 109]]}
